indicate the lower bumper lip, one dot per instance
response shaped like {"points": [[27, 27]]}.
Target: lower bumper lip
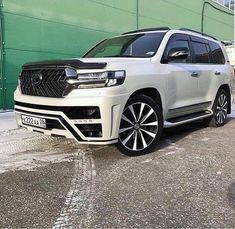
{"points": [[66, 126]]}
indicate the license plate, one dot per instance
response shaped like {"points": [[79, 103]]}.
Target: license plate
{"points": [[33, 121]]}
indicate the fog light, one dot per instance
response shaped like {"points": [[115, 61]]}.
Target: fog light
{"points": [[90, 130], [83, 113], [91, 111]]}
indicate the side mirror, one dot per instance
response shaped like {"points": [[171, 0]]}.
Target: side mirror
{"points": [[180, 53]]}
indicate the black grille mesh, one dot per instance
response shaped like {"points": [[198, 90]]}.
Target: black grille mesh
{"points": [[53, 82]]}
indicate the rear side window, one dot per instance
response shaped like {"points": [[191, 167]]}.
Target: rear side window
{"points": [[217, 53], [201, 52]]}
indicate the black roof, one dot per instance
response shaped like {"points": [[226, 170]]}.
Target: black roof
{"points": [[167, 28], [194, 31], [147, 30]]}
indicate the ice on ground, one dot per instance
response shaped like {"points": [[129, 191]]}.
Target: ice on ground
{"points": [[23, 150]]}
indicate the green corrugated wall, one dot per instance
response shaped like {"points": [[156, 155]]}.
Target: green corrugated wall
{"points": [[48, 29]]}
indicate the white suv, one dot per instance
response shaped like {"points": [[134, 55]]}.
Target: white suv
{"points": [[128, 88]]}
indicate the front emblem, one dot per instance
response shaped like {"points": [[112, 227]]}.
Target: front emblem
{"points": [[36, 79]]}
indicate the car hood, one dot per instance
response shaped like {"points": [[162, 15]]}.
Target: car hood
{"points": [[89, 63]]}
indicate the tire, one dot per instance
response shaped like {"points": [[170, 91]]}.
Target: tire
{"points": [[220, 110], [141, 126]]}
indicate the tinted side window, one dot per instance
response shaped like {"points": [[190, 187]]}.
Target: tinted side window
{"points": [[201, 53], [217, 53], [174, 44]]}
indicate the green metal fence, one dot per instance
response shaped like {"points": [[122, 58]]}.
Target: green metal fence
{"points": [[47, 29]]}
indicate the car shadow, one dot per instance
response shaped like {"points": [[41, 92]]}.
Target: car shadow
{"points": [[173, 134], [229, 119], [231, 194], [177, 133]]}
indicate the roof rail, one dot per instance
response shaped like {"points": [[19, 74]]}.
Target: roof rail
{"points": [[203, 34], [227, 43], [147, 30]]}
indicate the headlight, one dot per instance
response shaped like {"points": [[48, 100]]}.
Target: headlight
{"points": [[98, 79]]}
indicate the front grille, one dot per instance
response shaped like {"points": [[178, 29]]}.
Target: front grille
{"points": [[43, 82]]}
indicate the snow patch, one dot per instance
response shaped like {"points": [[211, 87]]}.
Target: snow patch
{"points": [[23, 150], [78, 207], [170, 153], [205, 139], [146, 161]]}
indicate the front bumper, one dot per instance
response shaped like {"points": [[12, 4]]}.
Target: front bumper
{"points": [[62, 124]]}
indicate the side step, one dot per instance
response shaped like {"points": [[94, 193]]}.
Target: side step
{"points": [[187, 118]]}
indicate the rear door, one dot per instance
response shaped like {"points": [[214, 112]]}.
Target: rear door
{"points": [[208, 57]]}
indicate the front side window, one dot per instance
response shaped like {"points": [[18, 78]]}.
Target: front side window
{"points": [[201, 53], [135, 45], [175, 45]]}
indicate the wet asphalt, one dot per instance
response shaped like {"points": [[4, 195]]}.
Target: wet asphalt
{"points": [[189, 181]]}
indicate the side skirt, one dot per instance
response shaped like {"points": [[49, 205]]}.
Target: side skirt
{"points": [[187, 118]]}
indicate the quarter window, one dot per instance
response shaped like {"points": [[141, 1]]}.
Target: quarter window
{"points": [[201, 53]]}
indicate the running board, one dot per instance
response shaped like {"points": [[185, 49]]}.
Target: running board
{"points": [[187, 118]]}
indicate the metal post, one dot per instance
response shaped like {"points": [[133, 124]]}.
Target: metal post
{"points": [[2, 61], [137, 14]]}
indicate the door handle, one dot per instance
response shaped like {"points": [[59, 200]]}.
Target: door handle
{"points": [[194, 74], [217, 73]]}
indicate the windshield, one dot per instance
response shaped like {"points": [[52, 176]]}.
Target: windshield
{"points": [[137, 45]]}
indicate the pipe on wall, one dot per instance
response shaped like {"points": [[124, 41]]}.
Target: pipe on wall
{"points": [[137, 14], [2, 60]]}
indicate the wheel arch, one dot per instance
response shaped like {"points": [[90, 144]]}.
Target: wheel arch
{"points": [[226, 88], [153, 93]]}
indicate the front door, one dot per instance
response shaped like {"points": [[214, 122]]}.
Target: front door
{"points": [[182, 82]]}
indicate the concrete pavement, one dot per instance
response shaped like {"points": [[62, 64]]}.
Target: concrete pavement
{"points": [[55, 183]]}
